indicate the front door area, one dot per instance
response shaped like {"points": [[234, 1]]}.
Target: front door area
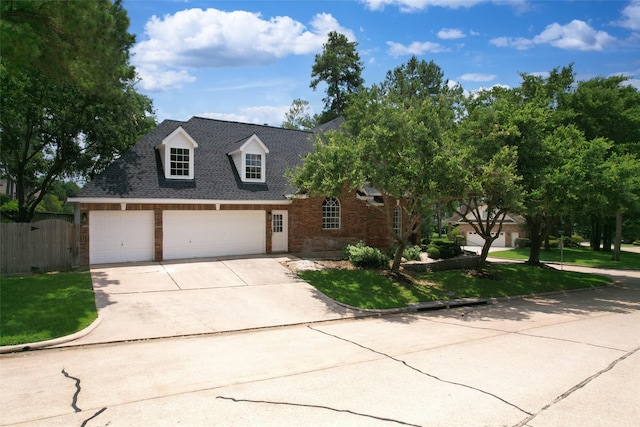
{"points": [[279, 231]]}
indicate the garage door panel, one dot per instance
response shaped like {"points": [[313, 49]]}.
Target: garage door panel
{"points": [[121, 236], [192, 234], [473, 239]]}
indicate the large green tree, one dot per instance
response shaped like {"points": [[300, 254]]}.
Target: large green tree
{"points": [[619, 179], [340, 67], [84, 41], [298, 116], [491, 186], [65, 113], [415, 80], [555, 160], [609, 108], [401, 149]]}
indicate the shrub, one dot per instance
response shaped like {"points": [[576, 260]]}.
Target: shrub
{"points": [[576, 241], [364, 256], [443, 250], [522, 242], [433, 252], [412, 253], [569, 242], [636, 243], [453, 233], [447, 252]]}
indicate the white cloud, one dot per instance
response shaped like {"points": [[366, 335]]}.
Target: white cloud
{"points": [[272, 115], [475, 93], [631, 75], [415, 48], [542, 74], [633, 82], [517, 43], [576, 35], [418, 5], [630, 16], [211, 38], [228, 117], [450, 33], [153, 78], [324, 23], [476, 77]]}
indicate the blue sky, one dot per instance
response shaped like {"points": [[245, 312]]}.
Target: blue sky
{"points": [[248, 60]]}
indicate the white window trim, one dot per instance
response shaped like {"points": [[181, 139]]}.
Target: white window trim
{"points": [[397, 220], [336, 207], [253, 145], [179, 138], [245, 166]]}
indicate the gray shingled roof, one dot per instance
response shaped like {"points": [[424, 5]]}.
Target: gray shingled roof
{"points": [[138, 173], [334, 124]]}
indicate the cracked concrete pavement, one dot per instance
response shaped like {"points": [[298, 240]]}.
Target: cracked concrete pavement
{"points": [[565, 359]]}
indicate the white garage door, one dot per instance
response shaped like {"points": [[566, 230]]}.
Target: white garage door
{"points": [[194, 234], [473, 239], [120, 236]]}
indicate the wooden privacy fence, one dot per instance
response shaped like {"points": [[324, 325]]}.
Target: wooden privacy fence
{"points": [[49, 245]]}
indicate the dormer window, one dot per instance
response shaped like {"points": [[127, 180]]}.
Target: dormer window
{"points": [[253, 166], [249, 159], [179, 162], [177, 153]]}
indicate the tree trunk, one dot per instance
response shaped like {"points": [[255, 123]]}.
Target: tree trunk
{"points": [[606, 235], [535, 237], [482, 262], [397, 259], [596, 232], [618, 239]]}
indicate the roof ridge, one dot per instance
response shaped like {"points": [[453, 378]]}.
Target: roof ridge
{"points": [[280, 128]]}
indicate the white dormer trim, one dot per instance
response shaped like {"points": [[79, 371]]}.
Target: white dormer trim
{"points": [[250, 160], [179, 144]]}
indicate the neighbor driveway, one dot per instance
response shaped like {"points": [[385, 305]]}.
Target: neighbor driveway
{"points": [[167, 299]]}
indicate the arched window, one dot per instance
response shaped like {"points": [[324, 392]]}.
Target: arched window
{"points": [[331, 214], [397, 221]]}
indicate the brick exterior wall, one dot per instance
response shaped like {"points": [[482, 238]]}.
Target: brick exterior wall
{"points": [[359, 221]]}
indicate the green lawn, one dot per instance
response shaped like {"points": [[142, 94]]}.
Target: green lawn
{"points": [[579, 256], [45, 306], [512, 280], [367, 289]]}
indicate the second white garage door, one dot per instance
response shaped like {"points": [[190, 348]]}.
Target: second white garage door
{"points": [[196, 234]]}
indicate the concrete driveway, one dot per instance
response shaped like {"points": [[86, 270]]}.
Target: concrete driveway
{"points": [[168, 299]]}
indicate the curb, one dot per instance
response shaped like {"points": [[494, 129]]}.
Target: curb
{"points": [[462, 302], [358, 312], [52, 342]]}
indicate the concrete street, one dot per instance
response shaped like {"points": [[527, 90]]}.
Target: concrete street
{"points": [[557, 360]]}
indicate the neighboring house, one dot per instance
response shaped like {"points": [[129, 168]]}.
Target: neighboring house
{"points": [[512, 228], [8, 187], [208, 188]]}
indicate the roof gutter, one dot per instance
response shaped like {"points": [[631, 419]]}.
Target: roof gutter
{"points": [[175, 201]]}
